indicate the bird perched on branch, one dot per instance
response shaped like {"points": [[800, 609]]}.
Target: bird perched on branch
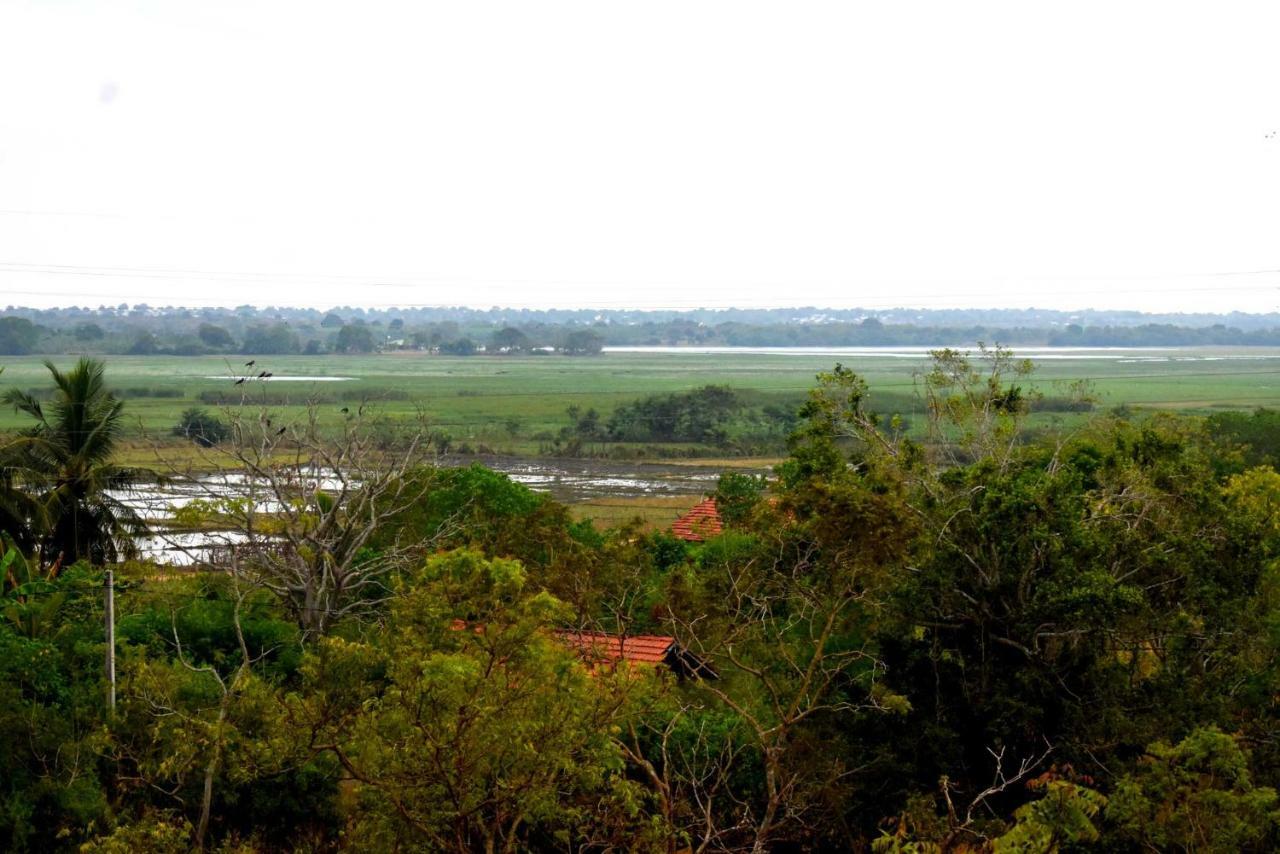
{"points": [[280, 432], [250, 363], [237, 382]]}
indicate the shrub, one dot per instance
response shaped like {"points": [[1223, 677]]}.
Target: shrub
{"points": [[201, 427]]}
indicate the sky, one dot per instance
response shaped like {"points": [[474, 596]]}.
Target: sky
{"points": [[641, 155]]}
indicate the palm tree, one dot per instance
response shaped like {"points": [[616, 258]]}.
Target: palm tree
{"points": [[64, 460]]}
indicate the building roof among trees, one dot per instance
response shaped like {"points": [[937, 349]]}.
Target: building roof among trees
{"points": [[699, 523], [602, 647]]}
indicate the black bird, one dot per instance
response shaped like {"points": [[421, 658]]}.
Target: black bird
{"points": [[268, 422], [249, 364], [237, 382], [280, 432], [345, 410], [263, 374], [267, 374]]}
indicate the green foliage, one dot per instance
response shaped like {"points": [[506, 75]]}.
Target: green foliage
{"points": [[276, 339], [215, 336], [354, 338], [738, 494], [458, 347], [905, 628], [88, 332], [66, 460], [508, 340], [202, 427], [155, 833], [145, 344], [1197, 795], [486, 733], [582, 342], [695, 416], [18, 336], [1258, 432], [477, 506], [1064, 816]]}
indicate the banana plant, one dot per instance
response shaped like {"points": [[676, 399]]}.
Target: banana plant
{"points": [[31, 600]]}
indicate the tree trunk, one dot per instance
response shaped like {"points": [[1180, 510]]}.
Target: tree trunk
{"points": [[210, 770]]}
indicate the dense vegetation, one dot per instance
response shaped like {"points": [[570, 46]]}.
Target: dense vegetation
{"points": [[145, 330], [984, 639]]}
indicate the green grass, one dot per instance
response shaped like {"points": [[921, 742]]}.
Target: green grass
{"points": [[474, 398]]}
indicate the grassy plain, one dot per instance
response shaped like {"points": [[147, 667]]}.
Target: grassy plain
{"points": [[513, 404]]}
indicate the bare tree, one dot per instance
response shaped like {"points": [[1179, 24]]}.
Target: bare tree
{"points": [[959, 825], [299, 504], [782, 647]]}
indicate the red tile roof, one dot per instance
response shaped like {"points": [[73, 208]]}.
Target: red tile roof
{"points": [[598, 646], [601, 647], [699, 523]]}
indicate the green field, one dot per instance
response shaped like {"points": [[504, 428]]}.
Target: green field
{"points": [[507, 403]]}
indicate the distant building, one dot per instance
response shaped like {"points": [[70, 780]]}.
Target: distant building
{"points": [[600, 649], [698, 524]]}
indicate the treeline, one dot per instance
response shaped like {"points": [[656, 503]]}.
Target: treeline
{"points": [[998, 642], [186, 332]]}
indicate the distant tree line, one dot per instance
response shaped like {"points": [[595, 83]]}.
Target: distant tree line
{"points": [[144, 331]]}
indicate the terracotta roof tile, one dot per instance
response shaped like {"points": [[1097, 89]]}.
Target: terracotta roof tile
{"points": [[699, 523], [598, 646]]}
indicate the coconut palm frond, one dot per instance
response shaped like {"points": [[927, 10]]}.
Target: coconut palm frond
{"points": [[24, 402], [64, 464]]}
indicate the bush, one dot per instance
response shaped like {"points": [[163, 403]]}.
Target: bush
{"points": [[201, 427]]}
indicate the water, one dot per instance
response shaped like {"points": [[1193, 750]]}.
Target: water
{"points": [[582, 480], [275, 379], [570, 481], [918, 352]]}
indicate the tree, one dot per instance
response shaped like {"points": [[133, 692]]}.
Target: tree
{"points": [[307, 507], [508, 340], [201, 427], [18, 336], [783, 614], [89, 332], [582, 342], [1196, 795], [215, 337], [277, 339], [469, 727], [145, 344], [332, 321], [738, 494], [66, 460], [354, 338], [458, 347], [700, 415]]}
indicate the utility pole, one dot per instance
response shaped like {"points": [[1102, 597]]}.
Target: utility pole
{"points": [[111, 640]]}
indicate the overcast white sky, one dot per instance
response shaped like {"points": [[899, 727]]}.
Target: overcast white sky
{"points": [[655, 154]]}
